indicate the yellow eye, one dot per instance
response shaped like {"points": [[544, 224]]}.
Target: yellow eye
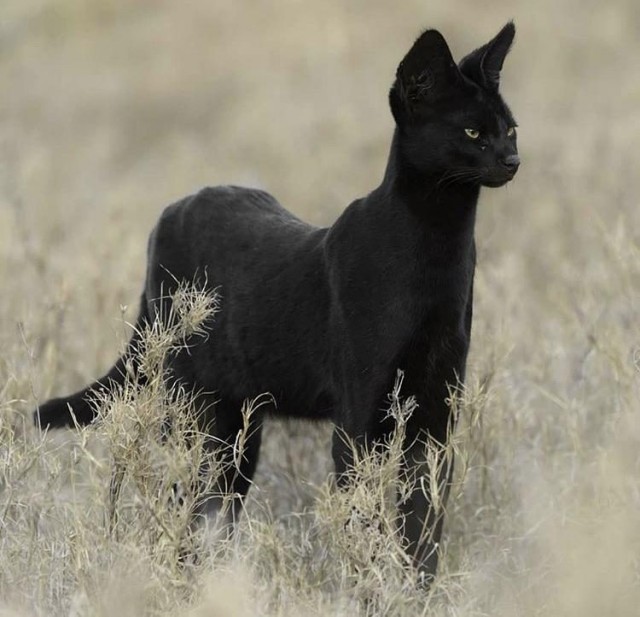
{"points": [[511, 131], [473, 133]]}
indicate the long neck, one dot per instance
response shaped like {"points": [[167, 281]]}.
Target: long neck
{"points": [[444, 212]]}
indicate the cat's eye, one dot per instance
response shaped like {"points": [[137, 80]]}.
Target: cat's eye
{"points": [[472, 133], [511, 131]]}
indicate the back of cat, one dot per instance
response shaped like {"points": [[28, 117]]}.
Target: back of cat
{"points": [[268, 267]]}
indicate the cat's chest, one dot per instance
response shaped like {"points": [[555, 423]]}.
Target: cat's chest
{"points": [[429, 305], [439, 291]]}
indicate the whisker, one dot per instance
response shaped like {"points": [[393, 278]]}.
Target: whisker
{"points": [[461, 174]]}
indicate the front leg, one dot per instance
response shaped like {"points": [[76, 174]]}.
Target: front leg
{"points": [[427, 468], [428, 459], [360, 423]]}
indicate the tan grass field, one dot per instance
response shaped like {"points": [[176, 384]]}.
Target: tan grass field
{"points": [[112, 109]]}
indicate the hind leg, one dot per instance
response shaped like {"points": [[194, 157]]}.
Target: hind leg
{"points": [[232, 448]]}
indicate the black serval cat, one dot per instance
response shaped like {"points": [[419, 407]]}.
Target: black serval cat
{"points": [[323, 318]]}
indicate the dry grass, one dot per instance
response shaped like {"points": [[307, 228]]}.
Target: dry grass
{"points": [[112, 109]]}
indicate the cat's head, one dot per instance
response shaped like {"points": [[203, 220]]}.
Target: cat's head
{"points": [[451, 118]]}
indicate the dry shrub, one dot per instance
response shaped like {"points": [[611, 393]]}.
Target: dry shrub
{"points": [[117, 505]]}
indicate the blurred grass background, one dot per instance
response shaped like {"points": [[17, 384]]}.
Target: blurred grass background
{"points": [[110, 110]]}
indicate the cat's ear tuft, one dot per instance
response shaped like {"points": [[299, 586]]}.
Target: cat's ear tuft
{"points": [[483, 65], [426, 72]]}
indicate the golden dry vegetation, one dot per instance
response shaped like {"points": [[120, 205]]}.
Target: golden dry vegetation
{"points": [[110, 110]]}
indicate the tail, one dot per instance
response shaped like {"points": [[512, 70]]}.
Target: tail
{"points": [[78, 408]]}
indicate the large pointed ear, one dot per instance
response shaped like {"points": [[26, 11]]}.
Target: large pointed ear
{"points": [[426, 73], [483, 65]]}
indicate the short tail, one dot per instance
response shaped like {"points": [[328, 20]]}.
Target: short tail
{"points": [[78, 408]]}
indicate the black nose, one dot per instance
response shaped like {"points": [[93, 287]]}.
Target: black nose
{"points": [[511, 162]]}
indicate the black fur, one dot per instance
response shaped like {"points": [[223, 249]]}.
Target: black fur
{"points": [[323, 318]]}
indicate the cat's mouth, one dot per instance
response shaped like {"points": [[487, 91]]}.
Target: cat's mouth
{"points": [[498, 177]]}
